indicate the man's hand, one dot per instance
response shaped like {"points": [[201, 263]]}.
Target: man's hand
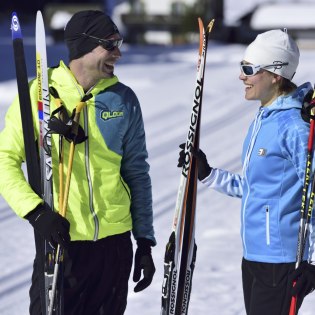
{"points": [[143, 261], [50, 225]]}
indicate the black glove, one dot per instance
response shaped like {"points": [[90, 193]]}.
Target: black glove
{"points": [[308, 105], [204, 169], [143, 261], [50, 225], [304, 276]]}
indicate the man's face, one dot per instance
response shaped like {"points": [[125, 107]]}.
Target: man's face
{"points": [[100, 62]]}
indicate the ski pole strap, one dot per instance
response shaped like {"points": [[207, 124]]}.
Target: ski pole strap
{"points": [[86, 97], [61, 124], [77, 132], [65, 125]]}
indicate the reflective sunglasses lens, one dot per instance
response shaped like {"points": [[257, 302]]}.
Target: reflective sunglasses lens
{"points": [[119, 43], [112, 44], [248, 70]]}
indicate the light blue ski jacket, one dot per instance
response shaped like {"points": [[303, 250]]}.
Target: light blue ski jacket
{"points": [[274, 159]]}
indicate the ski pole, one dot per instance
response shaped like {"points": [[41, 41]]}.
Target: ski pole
{"points": [[62, 211], [305, 216]]}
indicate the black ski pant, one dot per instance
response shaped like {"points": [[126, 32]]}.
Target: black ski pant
{"points": [[267, 288], [96, 277]]}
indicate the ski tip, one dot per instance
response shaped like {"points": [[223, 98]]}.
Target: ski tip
{"points": [[39, 14], [15, 27], [40, 22], [200, 23], [210, 25]]}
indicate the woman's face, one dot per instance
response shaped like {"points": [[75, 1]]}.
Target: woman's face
{"points": [[262, 86]]}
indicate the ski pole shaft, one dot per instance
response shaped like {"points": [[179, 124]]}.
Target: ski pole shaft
{"points": [[63, 210], [308, 170], [305, 217], [70, 161]]}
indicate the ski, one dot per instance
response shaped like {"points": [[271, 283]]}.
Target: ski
{"points": [[181, 249], [30, 145], [53, 286], [307, 203]]}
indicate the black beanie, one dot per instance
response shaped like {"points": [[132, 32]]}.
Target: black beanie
{"points": [[91, 22]]}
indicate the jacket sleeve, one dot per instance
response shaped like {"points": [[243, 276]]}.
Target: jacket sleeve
{"points": [[13, 185], [225, 182], [135, 172], [294, 142]]}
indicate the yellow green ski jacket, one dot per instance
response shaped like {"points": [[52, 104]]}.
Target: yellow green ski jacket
{"points": [[110, 188]]}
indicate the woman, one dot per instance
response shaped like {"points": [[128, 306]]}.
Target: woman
{"points": [[274, 160]]}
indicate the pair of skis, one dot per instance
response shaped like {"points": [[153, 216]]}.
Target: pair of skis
{"points": [[39, 175], [181, 249], [307, 203]]}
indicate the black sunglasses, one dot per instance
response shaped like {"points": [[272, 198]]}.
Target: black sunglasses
{"points": [[108, 44]]}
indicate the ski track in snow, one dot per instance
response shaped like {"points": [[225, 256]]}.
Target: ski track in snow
{"points": [[164, 83]]}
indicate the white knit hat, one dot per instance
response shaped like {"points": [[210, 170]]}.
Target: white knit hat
{"points": [[274, 47]]}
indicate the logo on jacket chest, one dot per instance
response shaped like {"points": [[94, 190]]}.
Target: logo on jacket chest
{"points": [[111, 114], [262, 152]]}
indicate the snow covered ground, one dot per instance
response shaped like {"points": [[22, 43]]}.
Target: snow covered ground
{"points": [[163, 79]]}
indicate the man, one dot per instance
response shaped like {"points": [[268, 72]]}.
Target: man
{"points": [[110, 190]]}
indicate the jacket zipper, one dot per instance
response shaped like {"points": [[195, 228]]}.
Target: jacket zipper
{"points": [[88, 175], [87, 164], [256, 128]]}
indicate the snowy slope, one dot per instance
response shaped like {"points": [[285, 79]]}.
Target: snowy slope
{"points": [[163, 80]]}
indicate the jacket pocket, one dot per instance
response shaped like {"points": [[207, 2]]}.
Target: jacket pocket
{"points": [[267, 212]]}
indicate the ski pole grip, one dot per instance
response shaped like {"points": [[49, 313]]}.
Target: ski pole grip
{"points": [[80, 106], [78, 110]]}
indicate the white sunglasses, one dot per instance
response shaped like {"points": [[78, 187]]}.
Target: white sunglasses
{"points": [[249, 70]]}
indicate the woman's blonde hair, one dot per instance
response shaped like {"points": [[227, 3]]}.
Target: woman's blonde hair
{"points": [[286, 86]]}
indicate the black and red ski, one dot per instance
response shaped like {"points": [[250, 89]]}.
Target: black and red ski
{"points": [[180, 254]]}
